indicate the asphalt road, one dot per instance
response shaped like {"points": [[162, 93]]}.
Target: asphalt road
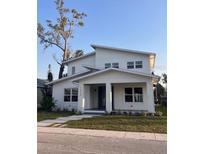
{"points": [[68, 144]]}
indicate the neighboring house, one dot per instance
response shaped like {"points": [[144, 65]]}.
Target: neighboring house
{"points": [[40, 86], [108, 79]]}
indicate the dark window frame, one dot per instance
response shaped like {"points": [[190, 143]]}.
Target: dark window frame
{"points": [[130, 65], [135, 96], [107, 66], [73, 70], [115, 65], [138, 64]]}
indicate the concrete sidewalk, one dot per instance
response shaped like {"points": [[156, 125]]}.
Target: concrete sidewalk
{"points": [[62, 120], [104, 133]]}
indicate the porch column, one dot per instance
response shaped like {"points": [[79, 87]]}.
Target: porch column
{"points": [[108, 97], [150, 97], [81, 96]]}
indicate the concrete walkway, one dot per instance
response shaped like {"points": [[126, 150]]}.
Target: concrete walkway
{"points": [[104, 133], [62, 120]]}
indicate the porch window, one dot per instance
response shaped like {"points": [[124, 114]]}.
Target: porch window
{"points": [[74, 95], [70, 95], [130, 65], [107, 65], [138, 95], [128, 95], [138, 64], [115, 65], [67, 92], [134, 94]]}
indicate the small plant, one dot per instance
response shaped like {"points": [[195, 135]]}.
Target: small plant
{"points": [[158, 113], [48, 103]]}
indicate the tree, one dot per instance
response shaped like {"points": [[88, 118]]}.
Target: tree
{"points": [[164, 80], [78, 53], [50, 75], [60, 33]]}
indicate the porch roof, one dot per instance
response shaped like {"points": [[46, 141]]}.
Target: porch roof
{"points": [[115, 69]]}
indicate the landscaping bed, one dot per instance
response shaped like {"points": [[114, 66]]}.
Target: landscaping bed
{"points": [[43, 115], [123, 123]]}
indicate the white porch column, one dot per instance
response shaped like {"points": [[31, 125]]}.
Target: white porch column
{"points": [[150, 97], [108, 97], [81, 96]]}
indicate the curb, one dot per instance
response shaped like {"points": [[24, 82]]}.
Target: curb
{"points": [[104, 133]]}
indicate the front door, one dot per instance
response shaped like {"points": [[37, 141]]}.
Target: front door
{"points": [[101, 97]]}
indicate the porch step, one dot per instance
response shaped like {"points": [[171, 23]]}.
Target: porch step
{"points": [[93, 112]]}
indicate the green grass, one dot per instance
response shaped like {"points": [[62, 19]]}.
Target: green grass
{"points": [[43, 115], [123, 123], [162, 109]]}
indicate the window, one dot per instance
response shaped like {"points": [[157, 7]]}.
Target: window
{"points": [[130, 65], [138, 95], [107, 65], [115, 65], [70, 95], [74, 95], [73, 70], [128, 95], [138, 64], [134, 94], [67, 95]]}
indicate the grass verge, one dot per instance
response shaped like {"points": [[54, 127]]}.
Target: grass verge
{"points": [[122, 123], [43, 115]]}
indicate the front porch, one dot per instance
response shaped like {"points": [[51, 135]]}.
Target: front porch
{"points": [[115, 90], [118, 97]]}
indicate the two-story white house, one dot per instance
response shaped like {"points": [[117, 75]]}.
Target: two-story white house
{"points": [[107, 79]]}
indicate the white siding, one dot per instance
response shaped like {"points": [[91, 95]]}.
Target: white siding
{"points": [[111, 56], [58, 95], [90, 61], [119, 98], [125, 80]]}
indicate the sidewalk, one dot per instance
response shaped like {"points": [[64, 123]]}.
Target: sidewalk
{"points": [[104, 133], [61, 120]]}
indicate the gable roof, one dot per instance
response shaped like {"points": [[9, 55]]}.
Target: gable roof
{"points": [[122, 50], [115, 69], [71, 77]]}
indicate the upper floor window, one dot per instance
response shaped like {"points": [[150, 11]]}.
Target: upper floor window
{"points": [[70, 95], [107, 65], [115, 65], [73, 70], [138, 64], [130, 65]]}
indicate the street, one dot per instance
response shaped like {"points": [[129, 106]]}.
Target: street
{"points": [[59, 143]]}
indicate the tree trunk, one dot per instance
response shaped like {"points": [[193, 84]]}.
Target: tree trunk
{"points": [[60, 75]]}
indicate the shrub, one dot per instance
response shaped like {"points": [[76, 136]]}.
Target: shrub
{"points": [[47, 103], [158, 113]]}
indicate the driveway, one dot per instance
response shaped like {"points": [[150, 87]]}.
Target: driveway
{"points": [[65, 140]]}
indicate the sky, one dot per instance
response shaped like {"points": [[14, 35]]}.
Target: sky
{"points": [[131, 24]]}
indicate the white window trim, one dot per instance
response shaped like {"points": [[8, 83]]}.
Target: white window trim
{"points": [[133, 64], [71, 94], [133, 95], [138, 64]]}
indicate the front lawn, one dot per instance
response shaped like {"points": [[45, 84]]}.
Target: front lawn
{"points": [[43, 115], [122, 123]]}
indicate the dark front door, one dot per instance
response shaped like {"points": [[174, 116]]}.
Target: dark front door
{"points": [[101, 97]]}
